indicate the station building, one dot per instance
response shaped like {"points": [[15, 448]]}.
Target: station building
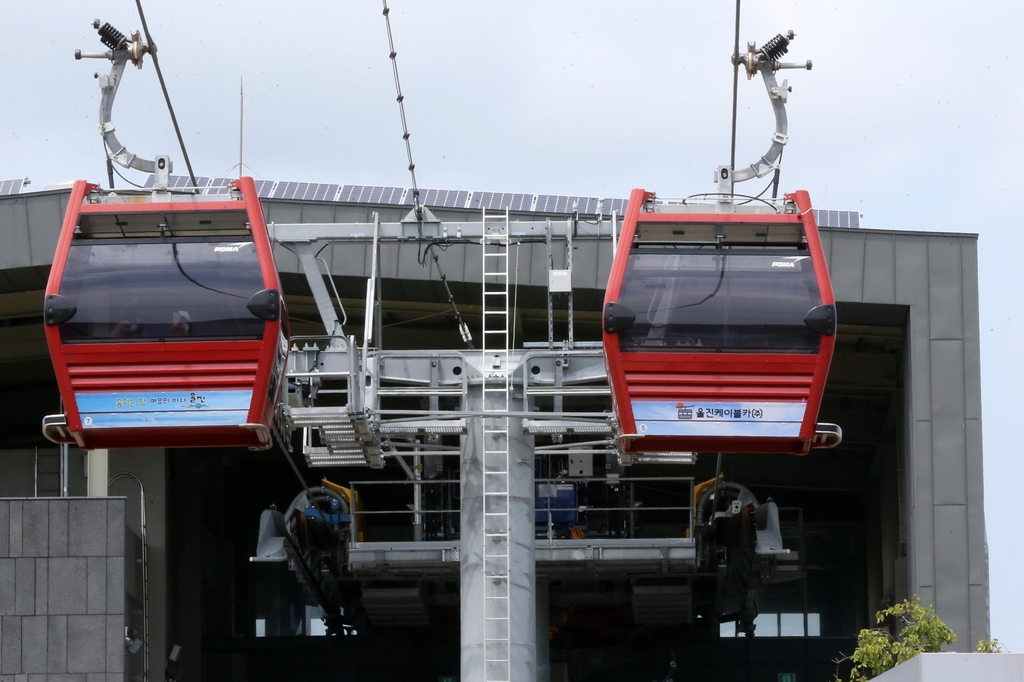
{"points": [[895, 510]]}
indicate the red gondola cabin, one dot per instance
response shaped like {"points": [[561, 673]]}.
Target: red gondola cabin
{"points": [[719, 328], [165, 320]]}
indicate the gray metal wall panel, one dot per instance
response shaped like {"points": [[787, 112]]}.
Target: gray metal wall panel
{"points": [[605, 256], [317, 213], [14, 248], [918, 357], [44, 220], [927, 594], [826, 246], [972, 324], [539, 263], [951, 587], [977, 541], [848, 266], [472, 266], [912, 269], [880, 268], [585, 265], [527, 255], [349, 260], [945, 288], [352, 214], [278, 212], [979, 613], [407, 261], [912, 290], [922, 548], [949, 445]]}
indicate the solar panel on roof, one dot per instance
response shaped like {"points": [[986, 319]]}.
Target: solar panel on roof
{"points": [[833, 218], [499, 201], [322, 191], [360, 194], [560, 203], [481, 200], [433, 197], [521, 202], [179, 182], [617, 205], [264, 188], [443, 198], [8, 187], [370, 194], [305, 191], [344, 193], [284, 190], [394, 195], [219, 186]]}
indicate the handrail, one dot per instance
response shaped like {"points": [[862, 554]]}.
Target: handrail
{"points": [[629, 504]]}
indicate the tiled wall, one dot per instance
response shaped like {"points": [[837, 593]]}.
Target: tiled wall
{"points": [[62, 606]]}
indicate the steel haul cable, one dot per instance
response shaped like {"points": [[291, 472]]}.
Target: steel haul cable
{"points": [[400, 98], [167, 97]]}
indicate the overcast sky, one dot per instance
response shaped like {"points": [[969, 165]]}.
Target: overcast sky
{"points": [[912, 116]]}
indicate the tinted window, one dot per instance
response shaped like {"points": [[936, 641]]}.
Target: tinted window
{"points": [[717, 299], [161, 290]]}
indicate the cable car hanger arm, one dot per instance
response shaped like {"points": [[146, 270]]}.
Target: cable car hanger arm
{"points": [[122, 50], [765, 61]]}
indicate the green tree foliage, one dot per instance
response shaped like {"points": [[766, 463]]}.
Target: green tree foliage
{"points": [[878, 649], [989, 646]]}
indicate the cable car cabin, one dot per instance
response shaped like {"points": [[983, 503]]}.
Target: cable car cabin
{"points": [[719, 328], [165, 321]]}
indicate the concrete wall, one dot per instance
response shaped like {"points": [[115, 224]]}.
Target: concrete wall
{"points": [[957, 668], [62, 609]]}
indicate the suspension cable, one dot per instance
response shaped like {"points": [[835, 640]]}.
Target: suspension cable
{"points": [[167, 97], [401, 110]]}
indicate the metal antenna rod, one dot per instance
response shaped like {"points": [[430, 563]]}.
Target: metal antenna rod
{"points": [[735, 86], [241, 121], [163, 86], [401, 110]]}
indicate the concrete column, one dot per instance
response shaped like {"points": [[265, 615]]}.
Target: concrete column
{"points": [[98, 473], [543, 631], [522, 550]]}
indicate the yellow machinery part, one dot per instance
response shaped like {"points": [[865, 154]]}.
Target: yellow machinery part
{"points": [[698, 490], [353, 507]]}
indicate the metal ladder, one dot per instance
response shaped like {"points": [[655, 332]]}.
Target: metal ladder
{"points": [[497, 385]]}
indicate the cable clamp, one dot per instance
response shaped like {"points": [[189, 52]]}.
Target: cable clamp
{"points": [[780, 138], [107, 127]]}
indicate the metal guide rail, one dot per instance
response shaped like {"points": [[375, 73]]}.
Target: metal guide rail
{"points": [[411, 400]]}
